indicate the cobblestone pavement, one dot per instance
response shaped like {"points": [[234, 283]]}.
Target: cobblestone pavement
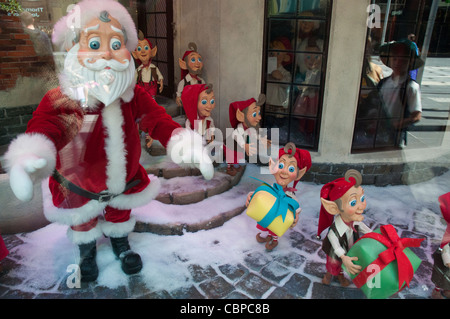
{"points": [[279, 274]]}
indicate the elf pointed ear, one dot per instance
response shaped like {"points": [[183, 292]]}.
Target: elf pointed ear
{"points": [[300, 173], [183, 65], [240, 116], [330, 206], [273, 166], [153, 51]]}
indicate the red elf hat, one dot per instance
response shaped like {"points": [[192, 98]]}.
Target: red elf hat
{"points": [[332, 191], [444, 202], [189, 98], [303, 158], [239, 105]]}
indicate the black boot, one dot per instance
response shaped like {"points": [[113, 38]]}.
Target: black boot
{"points": [[88, 264], [131, 262]]}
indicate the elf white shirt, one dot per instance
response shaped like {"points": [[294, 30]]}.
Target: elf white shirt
{"points": [[342, 229]]}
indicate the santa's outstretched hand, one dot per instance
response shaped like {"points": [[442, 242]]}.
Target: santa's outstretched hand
{"points": [[186, 148], [21, 176], [30, 159]]}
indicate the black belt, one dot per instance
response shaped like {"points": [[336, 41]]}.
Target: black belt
{"points": [[101, 197]]}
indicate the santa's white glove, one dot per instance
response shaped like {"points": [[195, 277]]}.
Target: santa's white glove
{"points": [[186, 148], [21, 176], [30, 158]]}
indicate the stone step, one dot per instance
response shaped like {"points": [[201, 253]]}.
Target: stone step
{"points": [[187, 186], [209, 204], [171, 229]]}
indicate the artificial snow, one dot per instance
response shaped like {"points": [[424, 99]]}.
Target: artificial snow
{"points": [[46, 254]]}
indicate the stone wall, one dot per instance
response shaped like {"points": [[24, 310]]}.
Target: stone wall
{"points": [[380, 174]]}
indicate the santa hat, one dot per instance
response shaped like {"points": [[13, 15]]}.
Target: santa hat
{"points": [[189, 98], [67, 30], [332, 191], [303, 158], [239, 105], [444, 202]]}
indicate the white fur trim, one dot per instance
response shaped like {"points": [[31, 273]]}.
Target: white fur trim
{"points": [[93, 208], [117, 230], [83, 12], [85, 237], [35, 144], [71, 216], [115, 147], [137, 199]]}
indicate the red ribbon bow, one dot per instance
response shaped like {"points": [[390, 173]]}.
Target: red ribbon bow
{"points": [[395, 246]]}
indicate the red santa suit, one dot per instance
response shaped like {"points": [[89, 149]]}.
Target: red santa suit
{"points": [[97, 150], [3, 250]]}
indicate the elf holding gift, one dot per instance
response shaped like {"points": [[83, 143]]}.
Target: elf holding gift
{"points": [[244, 118], [342, 200], [291, 166], [441, 269], [191, 68], [198, 103]]}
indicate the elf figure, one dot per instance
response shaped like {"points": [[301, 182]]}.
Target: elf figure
{"points": [[198, 103], [342, 200], [147, 74], [244, 118], [191, 66], [441, 269], [83, 136], [291, 166]]}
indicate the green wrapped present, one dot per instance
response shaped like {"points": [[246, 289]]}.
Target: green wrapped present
{"points": [[388, 265]]}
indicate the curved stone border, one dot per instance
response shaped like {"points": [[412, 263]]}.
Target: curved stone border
{"points": [[179, 229], [217, 185]]}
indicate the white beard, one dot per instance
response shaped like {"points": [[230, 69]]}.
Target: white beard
{"points": [[95, 83]]}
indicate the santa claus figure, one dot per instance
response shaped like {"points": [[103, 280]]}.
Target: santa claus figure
{"points": [[191, 66], [84, 136], [198, 103]]}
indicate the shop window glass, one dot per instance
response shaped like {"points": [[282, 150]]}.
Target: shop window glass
{"points": [[410, 35], [295, 61]]}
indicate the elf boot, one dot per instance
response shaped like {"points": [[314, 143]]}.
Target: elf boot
{"points": [[271, 244], [260, 239], [88, 264], [344, 282], [131, 262], [326, 280]]}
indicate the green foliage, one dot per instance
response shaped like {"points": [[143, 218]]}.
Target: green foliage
{"points": [[11, 6]]}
